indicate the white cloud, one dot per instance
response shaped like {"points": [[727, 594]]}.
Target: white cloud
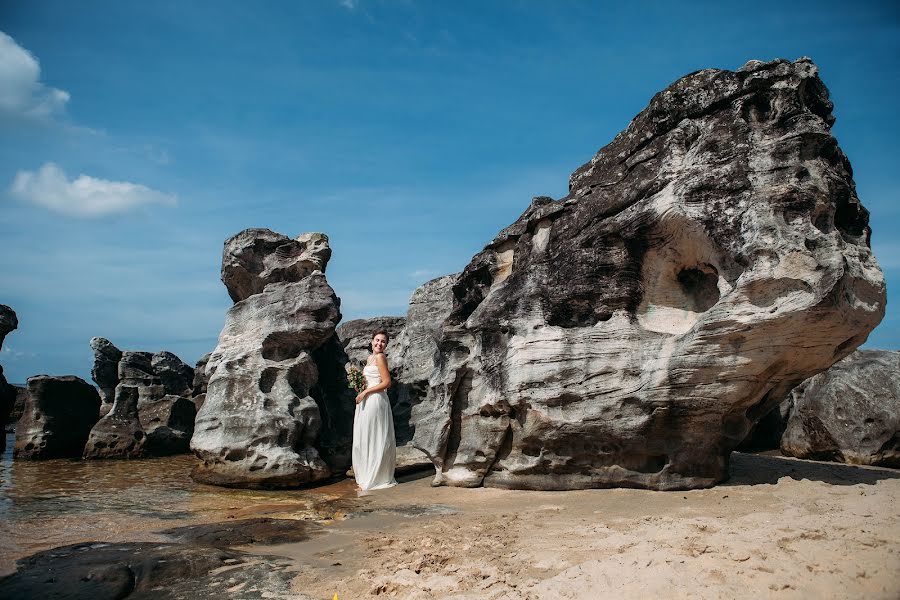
{"points": [[21, 92], [350, 4], [85, 196]]}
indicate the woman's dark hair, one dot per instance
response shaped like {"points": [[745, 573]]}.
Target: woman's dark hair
{"points": [[387, 336]]}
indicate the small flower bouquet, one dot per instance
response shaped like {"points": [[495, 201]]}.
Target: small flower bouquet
{"points": [[356, 379]]}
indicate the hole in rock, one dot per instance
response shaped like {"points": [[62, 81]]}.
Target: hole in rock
{"points": [[267, 379], [756, 109], [280, 346], [700, 288]]}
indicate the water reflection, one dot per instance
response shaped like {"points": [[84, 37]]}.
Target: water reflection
{"points": [[44, 504]]}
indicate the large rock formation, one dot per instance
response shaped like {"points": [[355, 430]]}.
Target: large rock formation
{"points": [[260, 422], [707, 260], [105, 371], [119, 434], [59, 414], [850, 413]]}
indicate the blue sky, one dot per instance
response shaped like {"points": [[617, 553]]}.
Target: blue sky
{"points": [[135, 137]]}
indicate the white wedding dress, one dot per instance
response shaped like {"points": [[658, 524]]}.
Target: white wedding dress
{"points": [[374, 446]]}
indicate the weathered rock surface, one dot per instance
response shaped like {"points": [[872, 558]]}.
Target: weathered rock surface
{"points": [[254, 258], [136, 570], [201, 379], [119, 434], [58, 416], [168, 423], [708, 259], [8, 322], [105, 371], [850, 413], [174, 374], [418, 355], [260, 422]]}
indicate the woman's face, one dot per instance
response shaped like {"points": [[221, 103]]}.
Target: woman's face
{"points": [[379, 343]]}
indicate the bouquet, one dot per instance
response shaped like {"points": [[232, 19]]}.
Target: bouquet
{"points": [[356, 379]]}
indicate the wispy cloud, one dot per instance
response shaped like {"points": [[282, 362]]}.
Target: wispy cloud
{"points": [[423, 273], [350, 4], [84, 197], [22, 94]]}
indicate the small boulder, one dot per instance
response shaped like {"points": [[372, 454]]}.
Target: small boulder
{"points": [[57, 419]]}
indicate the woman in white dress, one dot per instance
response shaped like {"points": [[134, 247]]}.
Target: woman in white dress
{"points": [[374, 446]]}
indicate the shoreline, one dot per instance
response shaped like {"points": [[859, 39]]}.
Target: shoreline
{"points": [[779, 527]]}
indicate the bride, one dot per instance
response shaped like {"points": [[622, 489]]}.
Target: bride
{"points": [[374, 447]]}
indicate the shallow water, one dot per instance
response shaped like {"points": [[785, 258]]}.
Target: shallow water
{"points": [[44, 504]]}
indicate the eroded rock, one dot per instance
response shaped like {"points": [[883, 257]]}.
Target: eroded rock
{"points": [[168, 423], [174, 374], [105, 371], [260, 422], [255, 258], [708, 259], [850, 413], [201, 379], [118, 434], [58, 416], [8, 322]]}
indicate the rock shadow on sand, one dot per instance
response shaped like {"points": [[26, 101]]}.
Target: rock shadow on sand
{"points": [[755, 469]]}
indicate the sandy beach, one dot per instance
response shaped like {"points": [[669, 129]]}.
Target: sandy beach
{"points": [[780, 528]]}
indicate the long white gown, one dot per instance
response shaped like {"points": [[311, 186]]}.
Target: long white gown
{"points": [[374, 446]]}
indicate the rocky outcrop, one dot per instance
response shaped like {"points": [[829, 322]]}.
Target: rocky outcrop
{"points": [[119, 434], [105, 371], [168, 423], [706, 261], [254, 258], [850, 413], [8, 322], [260, 423], [58, 417]]}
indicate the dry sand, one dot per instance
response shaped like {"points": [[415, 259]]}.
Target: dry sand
{"points": [[780, 528]]}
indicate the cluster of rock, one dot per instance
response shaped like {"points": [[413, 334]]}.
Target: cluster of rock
{"points": [[632, 333], [144, 407], [277, 409]]}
